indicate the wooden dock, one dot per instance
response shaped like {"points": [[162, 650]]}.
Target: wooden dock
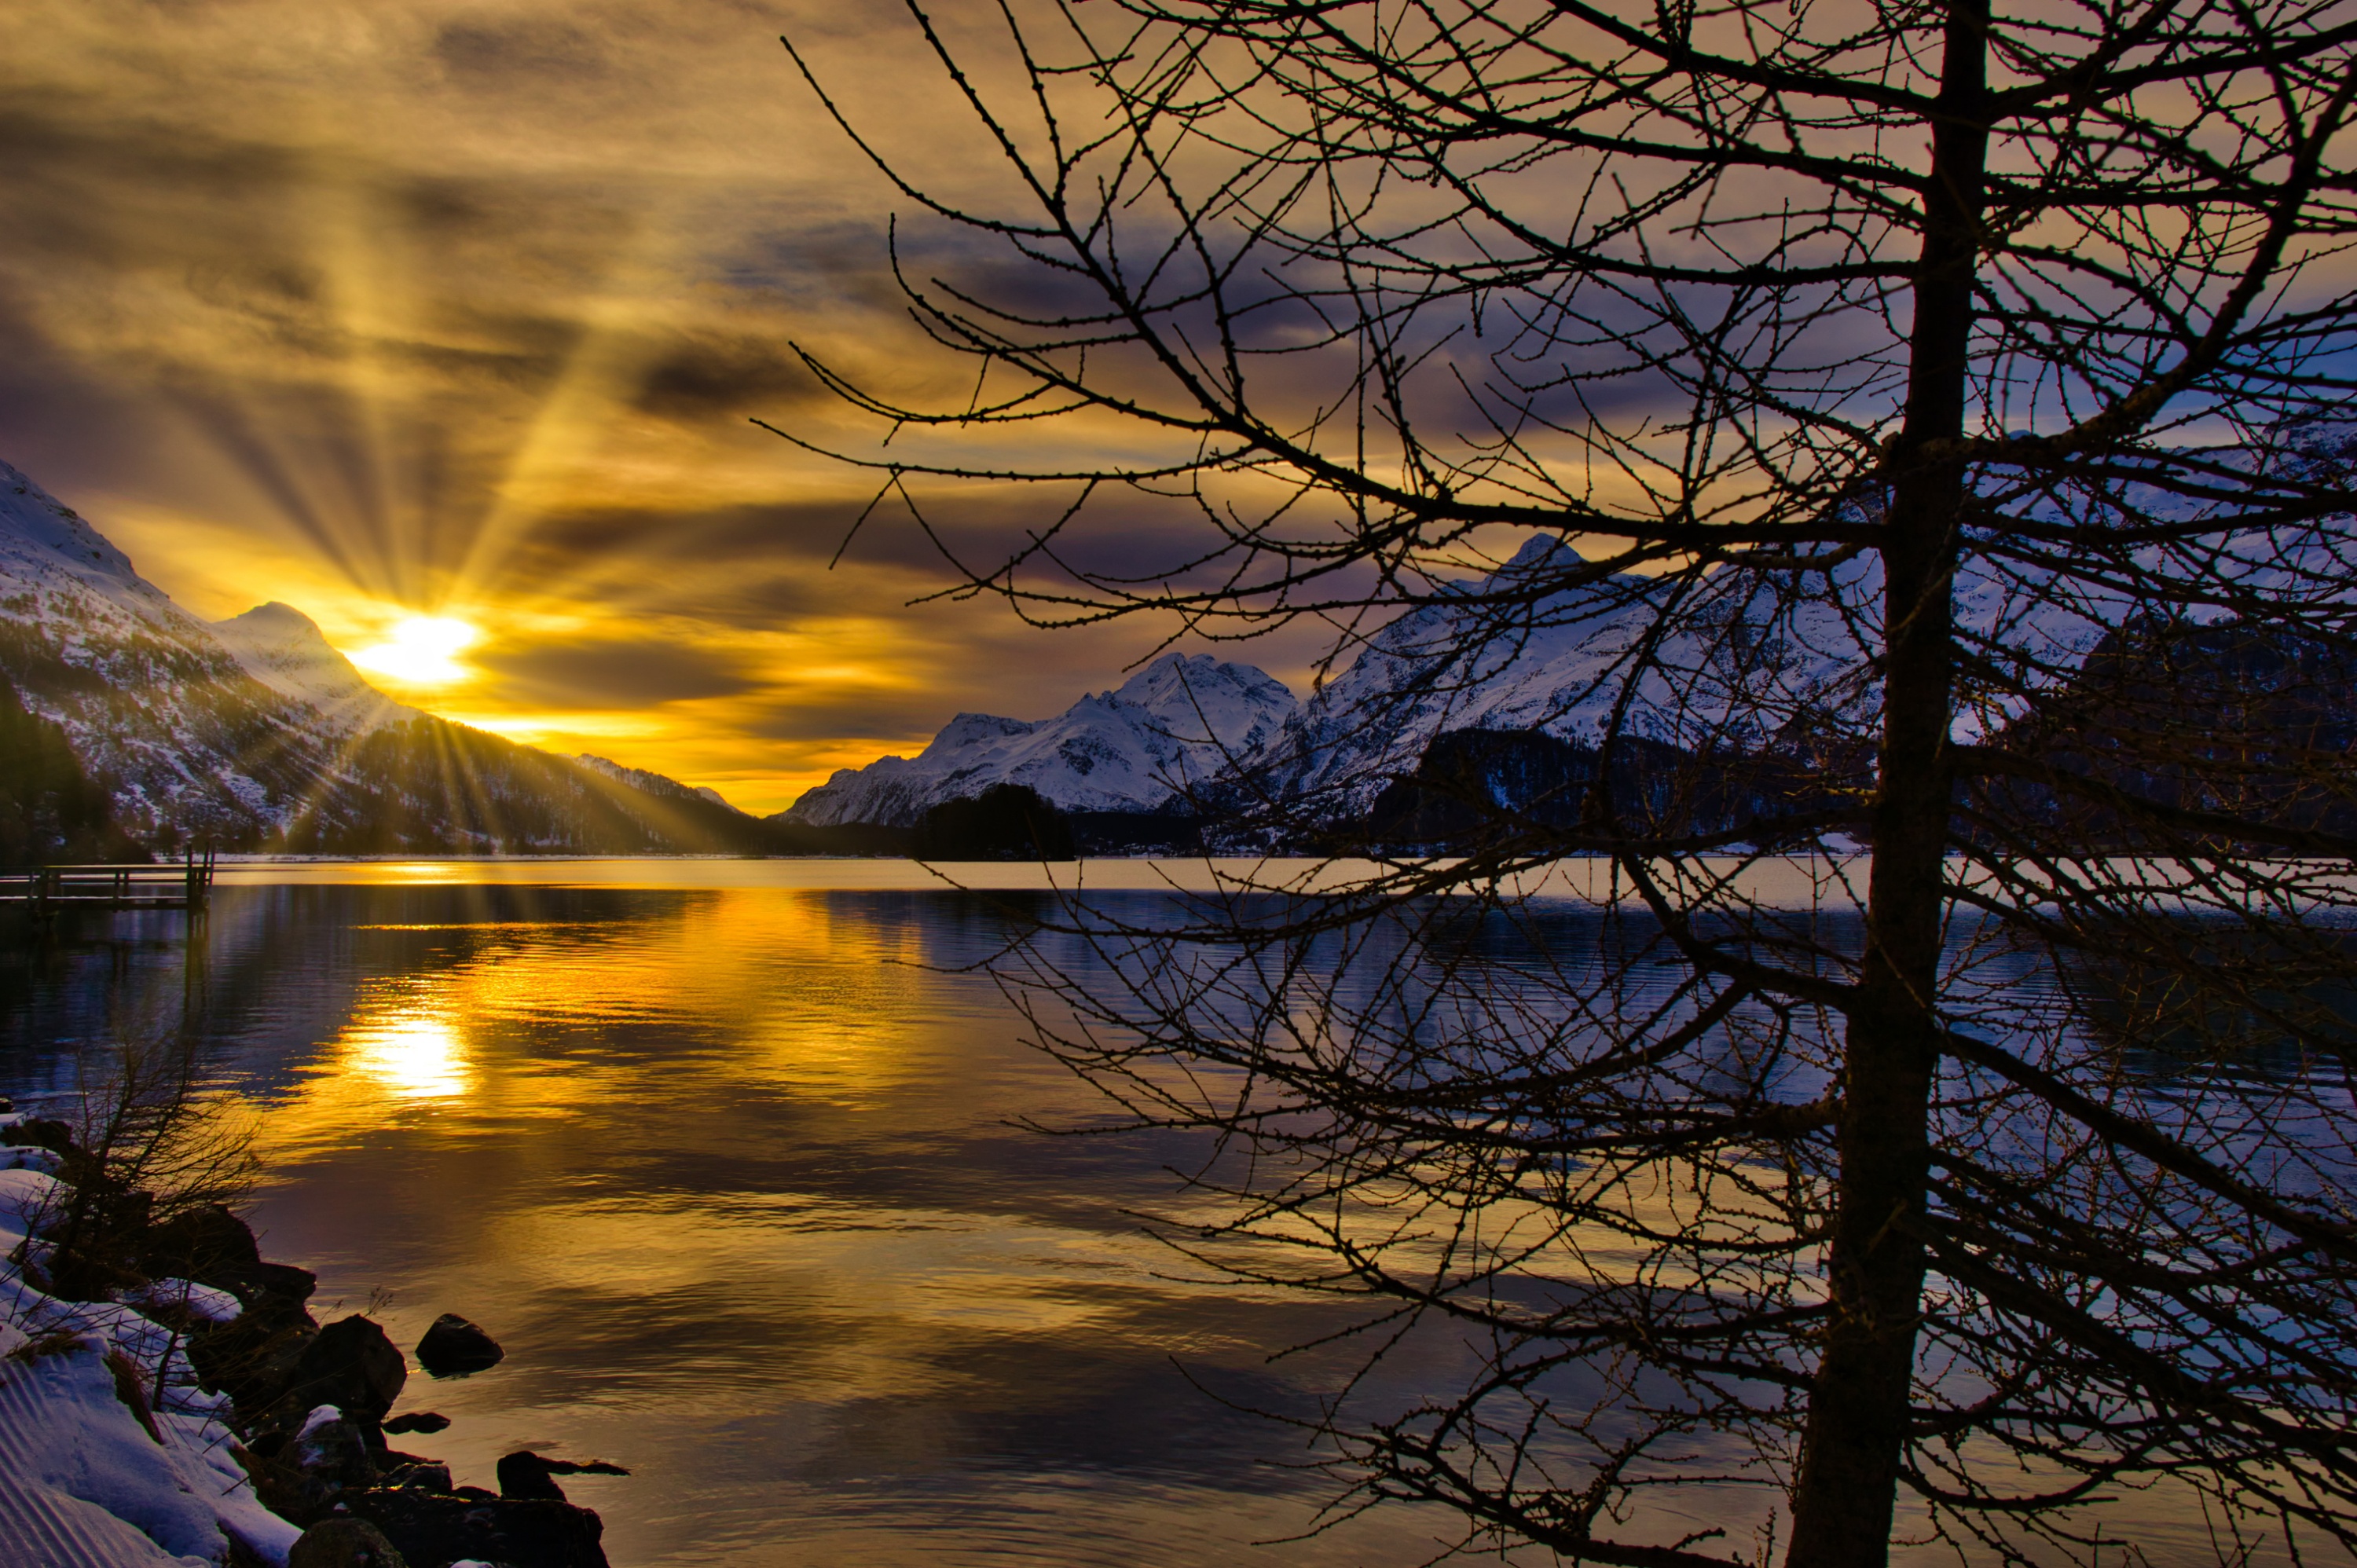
{"points": [[46, 890]]}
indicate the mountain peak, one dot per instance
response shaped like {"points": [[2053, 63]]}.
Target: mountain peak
{"points": [[42, 530], [274, 619], [1174, 723], [283, 649]]}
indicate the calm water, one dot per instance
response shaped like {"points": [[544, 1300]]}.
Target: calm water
{"points": [[727, 1170], [721, 1151]]}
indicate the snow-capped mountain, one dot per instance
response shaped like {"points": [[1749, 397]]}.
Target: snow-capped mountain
{"points": [[154, 703], [282, 648], [1737, 667], [1730, 662], [1733, 661], [255, 734], [1173, 727]]}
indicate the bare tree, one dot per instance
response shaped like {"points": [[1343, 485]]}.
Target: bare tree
{"points": [[1885, 426], [151, 1145]]}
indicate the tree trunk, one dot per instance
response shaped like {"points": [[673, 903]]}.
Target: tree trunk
{"points": [[1859, 1404]]}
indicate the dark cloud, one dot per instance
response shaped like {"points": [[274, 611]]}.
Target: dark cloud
{"points": [[616, 673], [887, 717], [698, 378]]}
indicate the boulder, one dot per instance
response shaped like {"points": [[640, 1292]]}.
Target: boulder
{"points": [[519, 1532], [344, 1542], [524, 1474], [253, 1357], [46, 1132], [454, 1346], [304, 1478], [202, 1243], [351, 1364], [416, 1421], [414, 1472]]}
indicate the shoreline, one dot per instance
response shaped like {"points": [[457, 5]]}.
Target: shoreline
{"points": [[166, 1394]]}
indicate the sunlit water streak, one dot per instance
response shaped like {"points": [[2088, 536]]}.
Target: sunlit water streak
{"points": [[722, 1152]]}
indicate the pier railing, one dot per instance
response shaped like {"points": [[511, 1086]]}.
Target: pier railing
{"points": [[184, 884]]}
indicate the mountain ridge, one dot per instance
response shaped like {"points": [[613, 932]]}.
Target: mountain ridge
{"points": [[254, 734], [1171, 729]]}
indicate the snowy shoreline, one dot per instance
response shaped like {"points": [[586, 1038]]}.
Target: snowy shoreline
{"points": [[210, 1421], [95, 1467]]}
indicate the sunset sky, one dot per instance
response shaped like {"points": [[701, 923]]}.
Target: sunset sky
{"points": [[410, 311]]}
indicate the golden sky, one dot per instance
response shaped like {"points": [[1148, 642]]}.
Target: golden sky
{"points": [[402, 309]]}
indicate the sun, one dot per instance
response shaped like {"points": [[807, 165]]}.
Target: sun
{"points": [[422, 652]]}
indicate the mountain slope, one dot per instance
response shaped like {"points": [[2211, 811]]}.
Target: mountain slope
{"points": [[1751, 665], [1175, 725], [255, 734], [655, 783], [282, 648]]}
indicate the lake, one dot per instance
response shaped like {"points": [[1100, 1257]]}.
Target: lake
{"points": [[724, 1154], [728, 1169]]}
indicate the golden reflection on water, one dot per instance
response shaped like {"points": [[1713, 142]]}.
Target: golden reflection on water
{"points": [[532, 1017], [419, 1057]]}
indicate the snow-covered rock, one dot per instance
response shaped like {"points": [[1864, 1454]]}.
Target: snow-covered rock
{"points": [[1173, 727]]}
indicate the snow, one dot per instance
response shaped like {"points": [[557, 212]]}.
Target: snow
{"points": [[83, 1483], [203, 1303], [282, 648], [25, 1192], [23, 1157], [1175, 725]]}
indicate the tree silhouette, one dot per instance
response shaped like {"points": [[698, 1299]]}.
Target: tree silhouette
{"points": [[1890, 425]]}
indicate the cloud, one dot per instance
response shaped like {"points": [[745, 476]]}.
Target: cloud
{"points": [[397, 307], [614, 673], [696, 377]]}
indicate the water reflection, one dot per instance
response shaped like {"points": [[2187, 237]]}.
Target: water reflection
{"points": [[731, 1171], [732, 1174], [409, 1055]]}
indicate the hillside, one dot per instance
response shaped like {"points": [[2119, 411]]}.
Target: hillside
{"points": [[255, 734]]}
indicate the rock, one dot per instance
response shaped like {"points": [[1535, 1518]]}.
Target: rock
{"points": [[418, 1475], [333, 1447], [524, 1474], [519, 1532], [253, 1359], [344, 1543], [350, 1365], [417, 1421], [454, 1346], [46, 1132], [306, 1475], [201, 1244]]}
